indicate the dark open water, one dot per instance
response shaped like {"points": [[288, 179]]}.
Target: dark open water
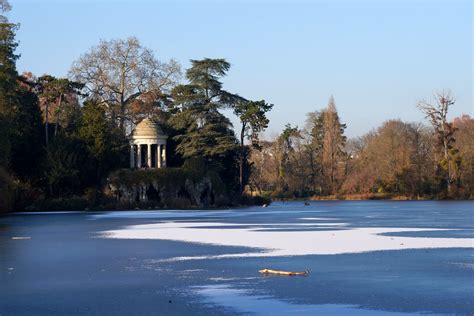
{"points": [[66, 268]]}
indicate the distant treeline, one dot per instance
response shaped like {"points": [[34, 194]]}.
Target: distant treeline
{"points": [[396, 160]]}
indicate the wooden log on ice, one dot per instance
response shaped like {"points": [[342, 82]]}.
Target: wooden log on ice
{"points": [[280, 272]]}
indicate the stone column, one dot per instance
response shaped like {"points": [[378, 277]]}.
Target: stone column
{"points": [[158, 155], [148, 154], [139, 156], [164, 155], [132, 156]]}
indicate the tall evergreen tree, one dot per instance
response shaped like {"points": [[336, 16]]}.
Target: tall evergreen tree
{"points": [[9, 100], [66, 159], [284, 150], [27, 148], [104, 142], [205, 131]]}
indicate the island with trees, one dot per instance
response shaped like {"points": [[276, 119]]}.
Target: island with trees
{"points": [[65, 143]]}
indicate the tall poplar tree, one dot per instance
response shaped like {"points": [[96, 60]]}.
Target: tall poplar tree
{"points": [[333, 145]]}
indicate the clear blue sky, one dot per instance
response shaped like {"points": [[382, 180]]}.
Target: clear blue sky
{"points": [[376, 57]]}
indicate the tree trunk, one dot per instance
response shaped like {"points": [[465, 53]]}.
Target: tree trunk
{"points": [[57, 115], [122, 116], [446, 157], [97, 184], [46, 125], [241, 159]]}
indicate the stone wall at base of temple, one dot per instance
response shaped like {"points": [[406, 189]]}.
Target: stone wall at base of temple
{"points": [[166, 188]]}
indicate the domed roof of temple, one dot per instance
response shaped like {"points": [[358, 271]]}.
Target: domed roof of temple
{"points": [[149, 129]]}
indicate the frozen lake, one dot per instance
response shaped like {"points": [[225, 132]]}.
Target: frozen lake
{"points": [[364, 258]]}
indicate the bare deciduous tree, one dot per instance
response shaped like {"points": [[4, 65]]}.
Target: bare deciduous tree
{"points": [[119, 72], [4, 8], [437, 113], [395, 158], [465, 144]]}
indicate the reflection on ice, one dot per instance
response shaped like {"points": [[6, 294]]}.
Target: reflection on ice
{"points": [[157, 214], [160, 214], [242, 300]]}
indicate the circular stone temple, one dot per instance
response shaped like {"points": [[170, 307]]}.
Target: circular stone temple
{"points": [[148, 145]]}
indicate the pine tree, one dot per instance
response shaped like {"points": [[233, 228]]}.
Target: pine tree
{"points": [[253, 118], [205, 131], [284, 151]]}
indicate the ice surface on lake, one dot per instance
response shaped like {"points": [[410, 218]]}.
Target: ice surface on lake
{"points": [[242, 300], [323, 240]]}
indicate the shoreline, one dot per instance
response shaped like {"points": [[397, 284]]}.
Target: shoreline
{"points": [[370, 197], [196, 209]]}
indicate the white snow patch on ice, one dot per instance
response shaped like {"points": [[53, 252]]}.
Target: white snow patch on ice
{"points": [[319, 218], [271, 243]]}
